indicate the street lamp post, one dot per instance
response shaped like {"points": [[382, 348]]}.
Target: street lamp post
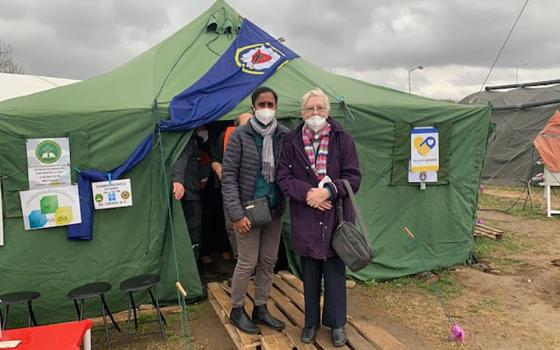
{"points": [[410, 71], [517, 70]]}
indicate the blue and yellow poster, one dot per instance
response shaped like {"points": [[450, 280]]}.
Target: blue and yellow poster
{"points": [[424, 149]]}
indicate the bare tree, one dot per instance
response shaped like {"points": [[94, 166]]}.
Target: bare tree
{"points": [[7, 63]]}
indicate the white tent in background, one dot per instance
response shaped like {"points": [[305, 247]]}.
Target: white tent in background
{"points": [[15, 85]]}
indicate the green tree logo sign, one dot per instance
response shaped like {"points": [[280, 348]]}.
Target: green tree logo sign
{"points": [[48, 152]]}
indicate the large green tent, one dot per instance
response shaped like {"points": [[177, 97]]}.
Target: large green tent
{"points": [[106, 117]]}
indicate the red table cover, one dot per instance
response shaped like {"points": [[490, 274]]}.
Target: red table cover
{"points": [[59, 336]]}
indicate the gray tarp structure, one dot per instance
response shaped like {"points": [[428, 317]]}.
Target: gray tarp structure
{"points": [[519, 115]]}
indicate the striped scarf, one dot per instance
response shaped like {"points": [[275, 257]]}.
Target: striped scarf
{"points": [[267, 154], [318, 165]]}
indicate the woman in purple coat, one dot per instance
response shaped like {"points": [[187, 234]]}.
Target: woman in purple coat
{"points": [[316, 156]]}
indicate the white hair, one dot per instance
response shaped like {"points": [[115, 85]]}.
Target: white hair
{"points": [[316, 92]]}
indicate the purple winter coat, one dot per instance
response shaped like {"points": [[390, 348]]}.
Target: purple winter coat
{"points": [[312, 228]]}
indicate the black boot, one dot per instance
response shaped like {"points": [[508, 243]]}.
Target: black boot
{"points": [[261, 315], [239, 318], [308, 334], [338, 336]]}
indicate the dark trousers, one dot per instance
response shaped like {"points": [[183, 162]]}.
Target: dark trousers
{"points": [[193, 216], [334, 308], [214, 237]]}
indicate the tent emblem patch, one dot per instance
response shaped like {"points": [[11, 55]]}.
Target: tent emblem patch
{"points": [[257, 58]]}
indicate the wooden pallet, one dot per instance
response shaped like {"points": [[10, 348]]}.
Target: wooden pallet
{"points": [[286, 303]]}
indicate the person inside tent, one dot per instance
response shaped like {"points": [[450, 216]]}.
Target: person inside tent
{"points": [[248, 184], [188, 177], [217, 159]]}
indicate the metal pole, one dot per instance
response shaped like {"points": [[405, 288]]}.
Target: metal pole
{"points": [[517, 70], [409, 72]]}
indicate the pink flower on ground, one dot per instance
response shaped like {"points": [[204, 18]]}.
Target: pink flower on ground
{"points": [[457, 333]]}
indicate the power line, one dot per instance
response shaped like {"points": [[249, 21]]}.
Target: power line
{"points": [[503, 45]]}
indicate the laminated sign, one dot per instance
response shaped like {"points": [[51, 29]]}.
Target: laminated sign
{"points": [[112, 194], [424, 149], [50, 207], [48, 162]]}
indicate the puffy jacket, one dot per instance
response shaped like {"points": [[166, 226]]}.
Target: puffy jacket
{"points": [[241, 166]]}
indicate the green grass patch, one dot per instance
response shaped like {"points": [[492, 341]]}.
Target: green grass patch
{"points": [[446, 284], [485, 247], [487, 305], [511, 205]]}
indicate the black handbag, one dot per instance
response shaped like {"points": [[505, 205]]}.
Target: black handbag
{"points": [[258, 211], [349, 242]]}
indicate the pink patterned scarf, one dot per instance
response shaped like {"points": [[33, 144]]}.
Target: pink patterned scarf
{"points": [[318, 165]]}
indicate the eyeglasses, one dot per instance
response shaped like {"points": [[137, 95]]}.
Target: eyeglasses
{"points": [[317, 109]]}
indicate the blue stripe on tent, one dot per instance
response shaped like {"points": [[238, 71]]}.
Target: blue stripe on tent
{"points": [[225, 84]]}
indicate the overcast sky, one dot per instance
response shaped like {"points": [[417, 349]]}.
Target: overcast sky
{"points": [[376, 41]]}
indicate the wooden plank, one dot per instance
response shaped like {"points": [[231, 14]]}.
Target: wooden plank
{"points": [[378, 336], [292, 332], [233, 333], [276, 341], [292, 293], [292, 280], [271, 306], [356, 341], [325, 342], [222, 306], [265, 330], [480, 229], [285, 304], [288, 306], [297, 284], [490, 228]]}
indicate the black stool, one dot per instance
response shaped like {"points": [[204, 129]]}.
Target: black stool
{"points": [[146, 282], [92, 290], [18, 298]]}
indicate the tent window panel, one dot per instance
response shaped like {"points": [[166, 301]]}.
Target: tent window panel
{"points": [[18, 181], [401, 152]]}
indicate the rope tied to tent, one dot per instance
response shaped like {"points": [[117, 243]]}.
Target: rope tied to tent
{"points": [[345, 106], [181, 293], [456, 332]]}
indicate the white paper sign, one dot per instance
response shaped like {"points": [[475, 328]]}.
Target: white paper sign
{"points": [[112, 194], [50, 207], [424, 149], [47, 176], [1, 219], [48, 152]]}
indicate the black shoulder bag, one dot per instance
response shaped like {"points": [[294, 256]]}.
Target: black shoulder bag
{"points": [[349, 242]]}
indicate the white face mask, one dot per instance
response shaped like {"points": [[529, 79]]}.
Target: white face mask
{"points": [[316, 122], [265, 115]]}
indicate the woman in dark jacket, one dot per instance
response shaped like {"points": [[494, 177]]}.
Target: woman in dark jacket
{"points": [[316, 156]]}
